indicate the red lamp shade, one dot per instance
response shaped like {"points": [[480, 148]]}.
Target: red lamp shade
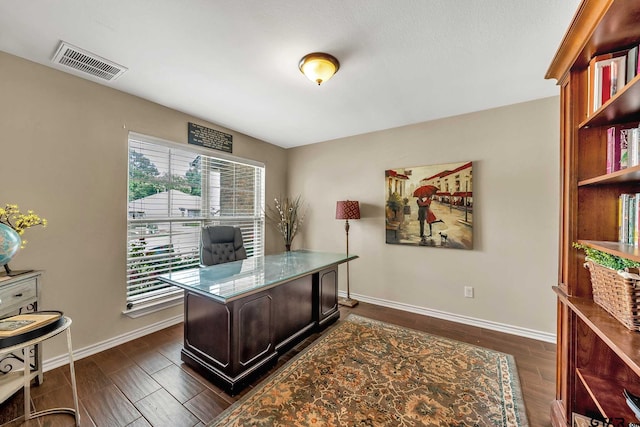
{"points": [[347, 209]]}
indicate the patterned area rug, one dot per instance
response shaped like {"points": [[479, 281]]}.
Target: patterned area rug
{"points": [[369, 373]]}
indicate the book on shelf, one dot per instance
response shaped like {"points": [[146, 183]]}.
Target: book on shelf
{"points": [[610, 149], [633, 402], [624, 148], [593, 89], [629, 218], [619, 138], [21, 323], [618, 76], [620, 215], [632, 64], [605, 84], [633, 221], [578, 420], [614, 149], [623, 219], [633, 141]]}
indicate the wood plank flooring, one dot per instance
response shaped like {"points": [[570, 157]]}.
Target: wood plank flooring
{"points": [[144, 382]]}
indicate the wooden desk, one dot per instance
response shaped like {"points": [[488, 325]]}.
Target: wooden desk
{"points": [[240, 316]]}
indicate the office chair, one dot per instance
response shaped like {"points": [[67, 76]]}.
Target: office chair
{"points": [[220, 244]]}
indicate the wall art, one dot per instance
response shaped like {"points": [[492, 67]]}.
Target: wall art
{"points": [[430, 205]]}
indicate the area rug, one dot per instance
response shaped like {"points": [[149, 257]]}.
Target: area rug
{"points": [[364, 372]]}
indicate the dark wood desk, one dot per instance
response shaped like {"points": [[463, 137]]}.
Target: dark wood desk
{"points": [[240, 316]]}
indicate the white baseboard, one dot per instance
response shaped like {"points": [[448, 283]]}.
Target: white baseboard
{"points": [[63, 359], [458, 318]]}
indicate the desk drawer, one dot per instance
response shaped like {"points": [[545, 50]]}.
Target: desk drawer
{"points": [[17, 295]]}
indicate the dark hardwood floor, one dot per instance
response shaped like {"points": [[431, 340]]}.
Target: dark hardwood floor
{"points": [[144, 383]]}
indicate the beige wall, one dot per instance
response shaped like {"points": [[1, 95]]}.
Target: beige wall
{"points": [[63, 146], [63, 151], [516, 190]]}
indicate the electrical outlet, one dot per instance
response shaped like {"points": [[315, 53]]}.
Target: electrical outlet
{"points": [[468, 291]]}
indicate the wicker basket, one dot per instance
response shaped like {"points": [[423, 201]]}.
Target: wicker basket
{"points": [[619, 296]]}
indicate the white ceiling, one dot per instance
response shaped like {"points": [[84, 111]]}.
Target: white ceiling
{"points": [[235, 63]]}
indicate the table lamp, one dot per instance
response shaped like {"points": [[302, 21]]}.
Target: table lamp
{"points": [[347, 209]]}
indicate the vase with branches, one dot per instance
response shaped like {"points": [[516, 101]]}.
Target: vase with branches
{"points": [[286, 215]]}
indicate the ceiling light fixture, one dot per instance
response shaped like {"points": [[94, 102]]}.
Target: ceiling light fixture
{"points": [[319, 67]]}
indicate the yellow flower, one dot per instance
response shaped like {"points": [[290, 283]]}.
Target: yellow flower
{"points": [[11, 216]]}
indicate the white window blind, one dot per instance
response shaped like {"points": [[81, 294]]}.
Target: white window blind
{"points": [[174, 191]]}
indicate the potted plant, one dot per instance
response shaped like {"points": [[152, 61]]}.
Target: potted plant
{"points": [[394, 203], [604, 259], [613, 284]]}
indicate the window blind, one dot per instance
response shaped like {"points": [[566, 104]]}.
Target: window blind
{"points": [[173, 191]]}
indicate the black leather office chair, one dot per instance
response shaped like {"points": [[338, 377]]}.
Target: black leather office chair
{"points": [[221, 243]]}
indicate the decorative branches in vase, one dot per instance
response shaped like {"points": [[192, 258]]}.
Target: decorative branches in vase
{"points": [[286, 216]]}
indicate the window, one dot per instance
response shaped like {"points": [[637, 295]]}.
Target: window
{"points": [[173, 191]]}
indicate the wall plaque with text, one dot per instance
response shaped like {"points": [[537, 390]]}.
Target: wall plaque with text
{"points": [[210, 138]]}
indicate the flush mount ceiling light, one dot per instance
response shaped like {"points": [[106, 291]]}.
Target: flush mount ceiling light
{"points": [[319, 67]]}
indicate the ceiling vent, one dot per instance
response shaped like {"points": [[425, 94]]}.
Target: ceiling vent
{"points": [[87, 62]]}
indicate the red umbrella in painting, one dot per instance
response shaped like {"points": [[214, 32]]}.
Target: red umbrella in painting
{"points": [[425, 191]]}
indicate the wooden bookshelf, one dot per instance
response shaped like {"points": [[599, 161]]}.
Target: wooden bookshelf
{"points": [[598, 356], [631, 174], [607, 399]]}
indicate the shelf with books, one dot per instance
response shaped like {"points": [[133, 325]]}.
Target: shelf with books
{"points": [[624, 106], [623, 147], [630, 174], [607, 73]]}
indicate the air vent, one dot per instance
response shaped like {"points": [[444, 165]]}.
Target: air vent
{"points": [[87, 62]]}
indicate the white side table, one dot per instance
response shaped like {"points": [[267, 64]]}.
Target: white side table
{"points": [[27, 374], [19, 295]]}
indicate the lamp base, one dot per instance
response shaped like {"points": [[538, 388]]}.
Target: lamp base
{"points": [[348, 302]]}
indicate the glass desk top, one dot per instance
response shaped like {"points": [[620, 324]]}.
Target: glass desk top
{"points": [[231, 280]]}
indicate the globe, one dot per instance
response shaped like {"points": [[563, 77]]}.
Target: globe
{"points": [[9, 243]]}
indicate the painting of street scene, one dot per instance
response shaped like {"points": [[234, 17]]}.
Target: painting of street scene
{"points": [[430, 205]]}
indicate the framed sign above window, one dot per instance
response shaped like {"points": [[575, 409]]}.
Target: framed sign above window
{"points": [[209, 138]]}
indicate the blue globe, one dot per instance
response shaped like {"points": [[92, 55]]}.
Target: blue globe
{"points": [[9, 243]]}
